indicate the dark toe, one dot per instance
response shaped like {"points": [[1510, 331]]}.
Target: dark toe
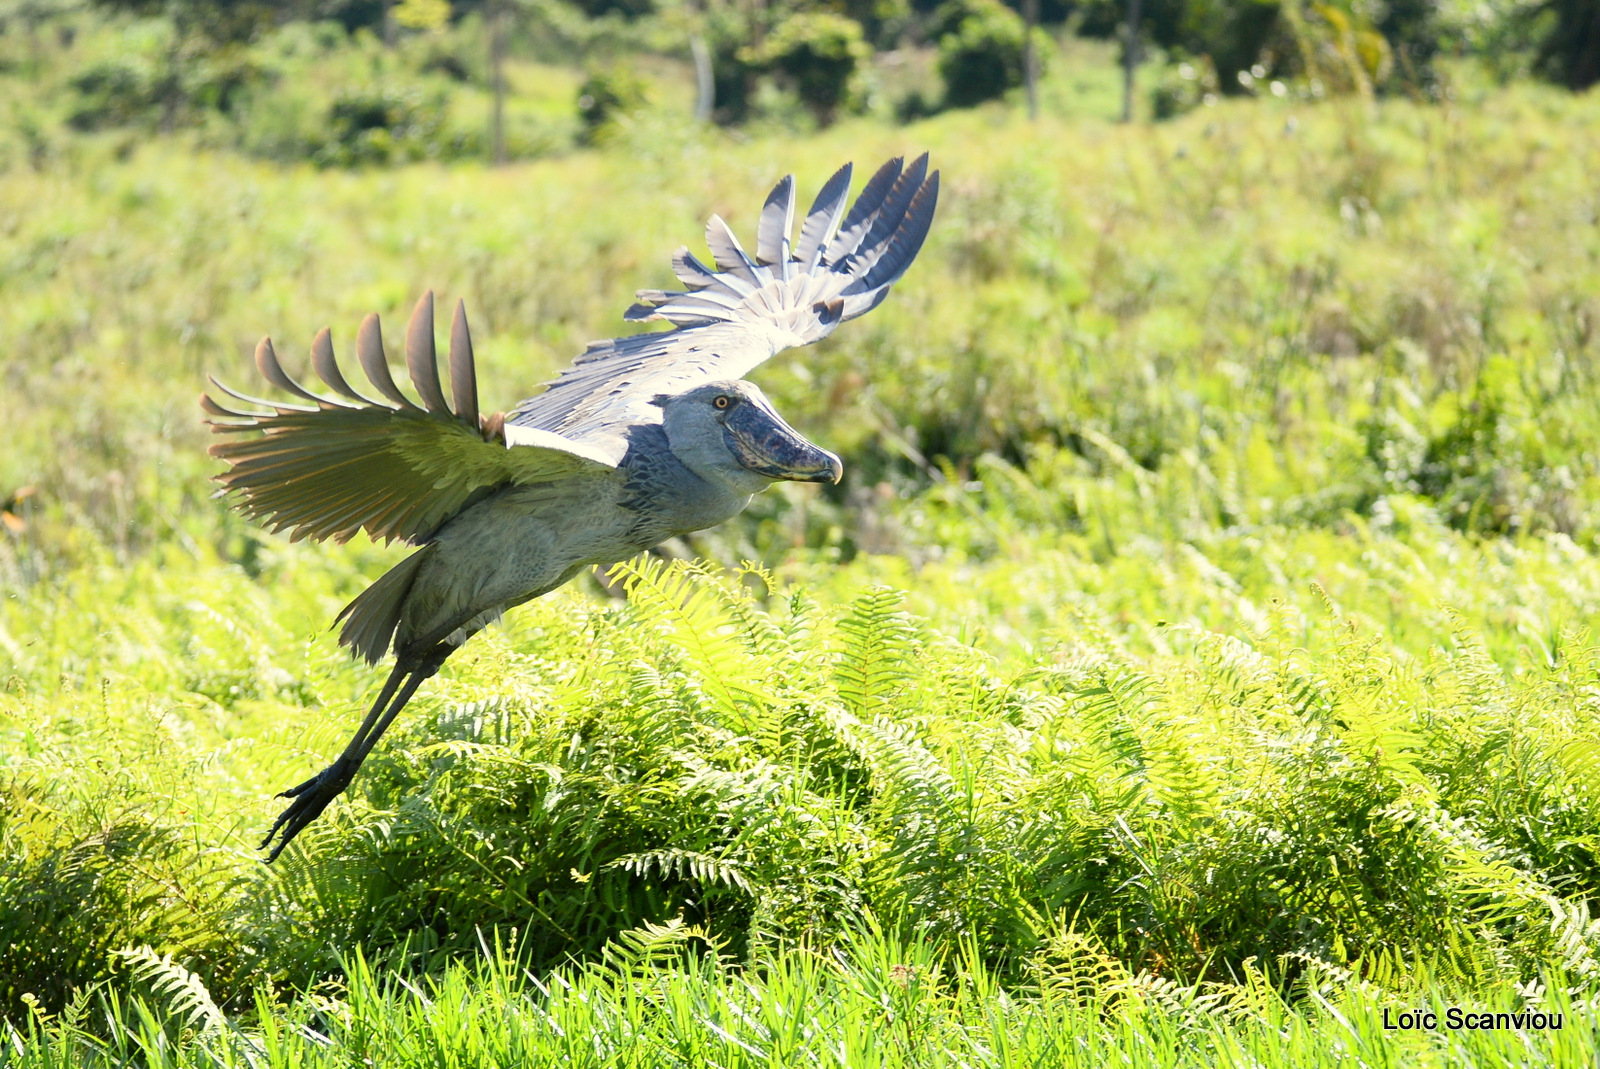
{"points": [[309, 800]]}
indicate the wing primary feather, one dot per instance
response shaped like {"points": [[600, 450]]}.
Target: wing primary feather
{"points": [[690, 271], [859, 304], [272, 371], [422, 359], [329, 514], [777, 223], [822, 221], [658, 305], [706, 296], [865, 209], [328, 524], [332, 515], [369, 351], [674, 313], [903, 246], [258, 459], [729, 254], [893, 212], [277, 406], [701, 310], [698, 277], [213, 409], [327, 368], [463, 369]]}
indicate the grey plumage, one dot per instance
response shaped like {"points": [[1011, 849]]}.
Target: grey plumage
{"points": [[642, 439]]}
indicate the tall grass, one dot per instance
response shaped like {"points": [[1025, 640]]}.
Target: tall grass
{"points": [[877, 1002]]}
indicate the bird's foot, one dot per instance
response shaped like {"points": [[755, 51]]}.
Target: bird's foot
{"points": [[310, 799]]}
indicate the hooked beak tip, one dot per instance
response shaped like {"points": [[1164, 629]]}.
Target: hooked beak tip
{"points": [[831, 470], [826, 469]]}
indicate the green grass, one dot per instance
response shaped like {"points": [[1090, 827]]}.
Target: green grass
{"points": [[875, 1002], [1196, 661]]}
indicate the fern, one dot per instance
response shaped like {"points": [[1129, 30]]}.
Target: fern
{"points": [[644, 952], [685, 605], [874, 663], [185, 993], [683, 864]]}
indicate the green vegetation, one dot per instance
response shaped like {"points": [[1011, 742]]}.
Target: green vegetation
{"points": [[1196, 661], [356, 83]]}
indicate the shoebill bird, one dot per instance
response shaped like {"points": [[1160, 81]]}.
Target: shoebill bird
{"points": [[642, 439]]}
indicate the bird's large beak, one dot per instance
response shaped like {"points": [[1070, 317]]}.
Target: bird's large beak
{"points": [[766, 445]]}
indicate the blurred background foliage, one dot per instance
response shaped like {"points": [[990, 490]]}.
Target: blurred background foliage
{"points": [[363, 82]]}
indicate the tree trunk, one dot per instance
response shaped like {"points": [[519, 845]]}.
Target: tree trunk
{"points": [[1030, 57], [705, 98], [497, 78], [1130, 59]]}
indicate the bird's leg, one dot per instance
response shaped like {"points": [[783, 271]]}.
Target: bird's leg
{"points": [[419, 675], [313, 796]]}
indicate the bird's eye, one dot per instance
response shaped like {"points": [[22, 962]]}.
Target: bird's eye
{"points": [[722, 401]]}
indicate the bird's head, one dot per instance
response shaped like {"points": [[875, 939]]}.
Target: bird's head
{"points": [[728, 431]]}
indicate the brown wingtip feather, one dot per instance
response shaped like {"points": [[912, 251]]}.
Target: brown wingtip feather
{"points": [[373, 361], [422, 359], [327, 368], [463, 369]]}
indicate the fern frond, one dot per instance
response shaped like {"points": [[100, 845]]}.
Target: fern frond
{"points": [[687, 607], [875, 661], [185, 993], [683, 864]]}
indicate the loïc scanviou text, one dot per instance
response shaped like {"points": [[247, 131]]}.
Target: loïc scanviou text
{"points": [[1455, 1019]]}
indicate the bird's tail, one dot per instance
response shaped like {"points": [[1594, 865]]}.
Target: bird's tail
{"points": [[370, 620]]}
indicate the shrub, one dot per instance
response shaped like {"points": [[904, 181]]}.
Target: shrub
{"points": [[732, 78], [1182, 88], [981, 44], [153, 83], [1412, 28], [1235, 34], [883, 21], [383, 125], [627, 9], [608, 95], [821, 54], [115, 92]]}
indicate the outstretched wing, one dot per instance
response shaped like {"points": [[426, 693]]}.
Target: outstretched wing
{"points": [[731, 319], [399, 470], [384, 465]]}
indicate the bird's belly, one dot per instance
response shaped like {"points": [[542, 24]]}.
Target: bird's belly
{"points": [[508, 549], [528, 540]]}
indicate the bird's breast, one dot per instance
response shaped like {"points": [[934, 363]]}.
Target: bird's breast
{"points": [[666, 499]]}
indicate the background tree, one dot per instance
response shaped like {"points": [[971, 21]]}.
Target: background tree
{"points": [[981, 50], [820, 54], [203, 62], [1569, 53]]}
